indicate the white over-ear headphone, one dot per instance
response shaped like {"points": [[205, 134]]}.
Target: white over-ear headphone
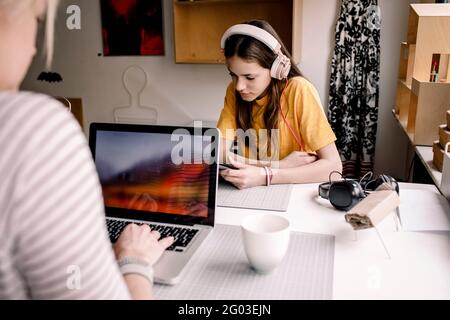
{"points": [[282, 64]]}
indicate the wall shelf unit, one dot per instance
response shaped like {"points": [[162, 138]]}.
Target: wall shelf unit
{"points": [[421, 104], [200, 24]]}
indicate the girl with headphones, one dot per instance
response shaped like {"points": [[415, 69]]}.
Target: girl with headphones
{"points": [[272, 115]]}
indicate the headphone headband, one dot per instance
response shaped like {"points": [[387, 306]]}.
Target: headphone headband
{"points": [[252, 31], [282, 64]]}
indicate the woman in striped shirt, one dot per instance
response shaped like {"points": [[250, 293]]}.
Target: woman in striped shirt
{"points": [[53, 239]]}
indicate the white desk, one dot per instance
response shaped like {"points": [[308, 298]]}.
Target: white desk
{"points": [[420, 264]]}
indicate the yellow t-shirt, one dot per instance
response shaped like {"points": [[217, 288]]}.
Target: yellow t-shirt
{"points": [[303, 110]]}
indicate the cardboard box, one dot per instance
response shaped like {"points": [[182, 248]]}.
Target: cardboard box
{"points": [[444, 136], [438, 155]]}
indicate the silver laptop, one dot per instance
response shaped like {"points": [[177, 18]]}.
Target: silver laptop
{"points": [[162, 176]]}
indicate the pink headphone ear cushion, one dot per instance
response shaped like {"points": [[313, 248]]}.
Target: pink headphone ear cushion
{"points": [[274, 71], [280, 67], [286, 67]]}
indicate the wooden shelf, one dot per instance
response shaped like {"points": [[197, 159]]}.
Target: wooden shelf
{"points": [[429, 102], [402, 100], [421, 108], [403, 125], [420, 105], [406, 66], [429, 30], [426, 156], [199, 25]]}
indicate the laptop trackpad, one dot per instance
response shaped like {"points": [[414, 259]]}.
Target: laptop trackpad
{"points": [[169, 268]]}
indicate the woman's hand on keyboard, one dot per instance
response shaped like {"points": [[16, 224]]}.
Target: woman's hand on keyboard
{"points": [[141, 242]]}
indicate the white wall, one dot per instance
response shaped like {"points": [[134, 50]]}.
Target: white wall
{"points": [[392, 142], [182, 92], [318, 23]]}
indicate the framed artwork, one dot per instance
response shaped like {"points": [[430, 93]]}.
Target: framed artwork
{"points": [[132, 27]]}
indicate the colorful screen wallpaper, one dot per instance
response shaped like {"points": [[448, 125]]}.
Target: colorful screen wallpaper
{"points": [[137, 171]]}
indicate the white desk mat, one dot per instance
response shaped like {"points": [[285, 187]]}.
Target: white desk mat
{"points": [[219, 270], [274, 197]]}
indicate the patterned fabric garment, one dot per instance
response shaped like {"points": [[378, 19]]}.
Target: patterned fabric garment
{"points": [[354, 88]]}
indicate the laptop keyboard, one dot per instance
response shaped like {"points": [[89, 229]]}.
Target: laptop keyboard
{"points": [[183, 236]]}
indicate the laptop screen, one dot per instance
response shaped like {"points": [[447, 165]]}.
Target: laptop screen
{"points": [[156, 172]]}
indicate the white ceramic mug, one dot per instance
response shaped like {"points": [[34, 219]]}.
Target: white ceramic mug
{"points": [[266, 240]]}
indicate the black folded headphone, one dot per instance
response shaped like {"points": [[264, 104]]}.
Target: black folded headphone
{"points": [[345, 194]]}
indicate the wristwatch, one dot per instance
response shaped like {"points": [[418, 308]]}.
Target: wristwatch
{"points": [[136, 265]]}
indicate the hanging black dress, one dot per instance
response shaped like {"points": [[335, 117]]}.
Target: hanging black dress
{"points": [[354, 88]]}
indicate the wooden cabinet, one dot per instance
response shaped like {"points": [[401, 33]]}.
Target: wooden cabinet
{"points": [[200, 24], [421, 103]]}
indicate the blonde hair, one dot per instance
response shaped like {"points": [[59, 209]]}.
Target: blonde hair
{"points": [[10, 9]]}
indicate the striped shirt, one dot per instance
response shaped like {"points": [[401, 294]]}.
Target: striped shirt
{"points": [[53, 239]]}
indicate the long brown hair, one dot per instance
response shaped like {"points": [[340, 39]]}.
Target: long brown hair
{"points": [[251, 49]]}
